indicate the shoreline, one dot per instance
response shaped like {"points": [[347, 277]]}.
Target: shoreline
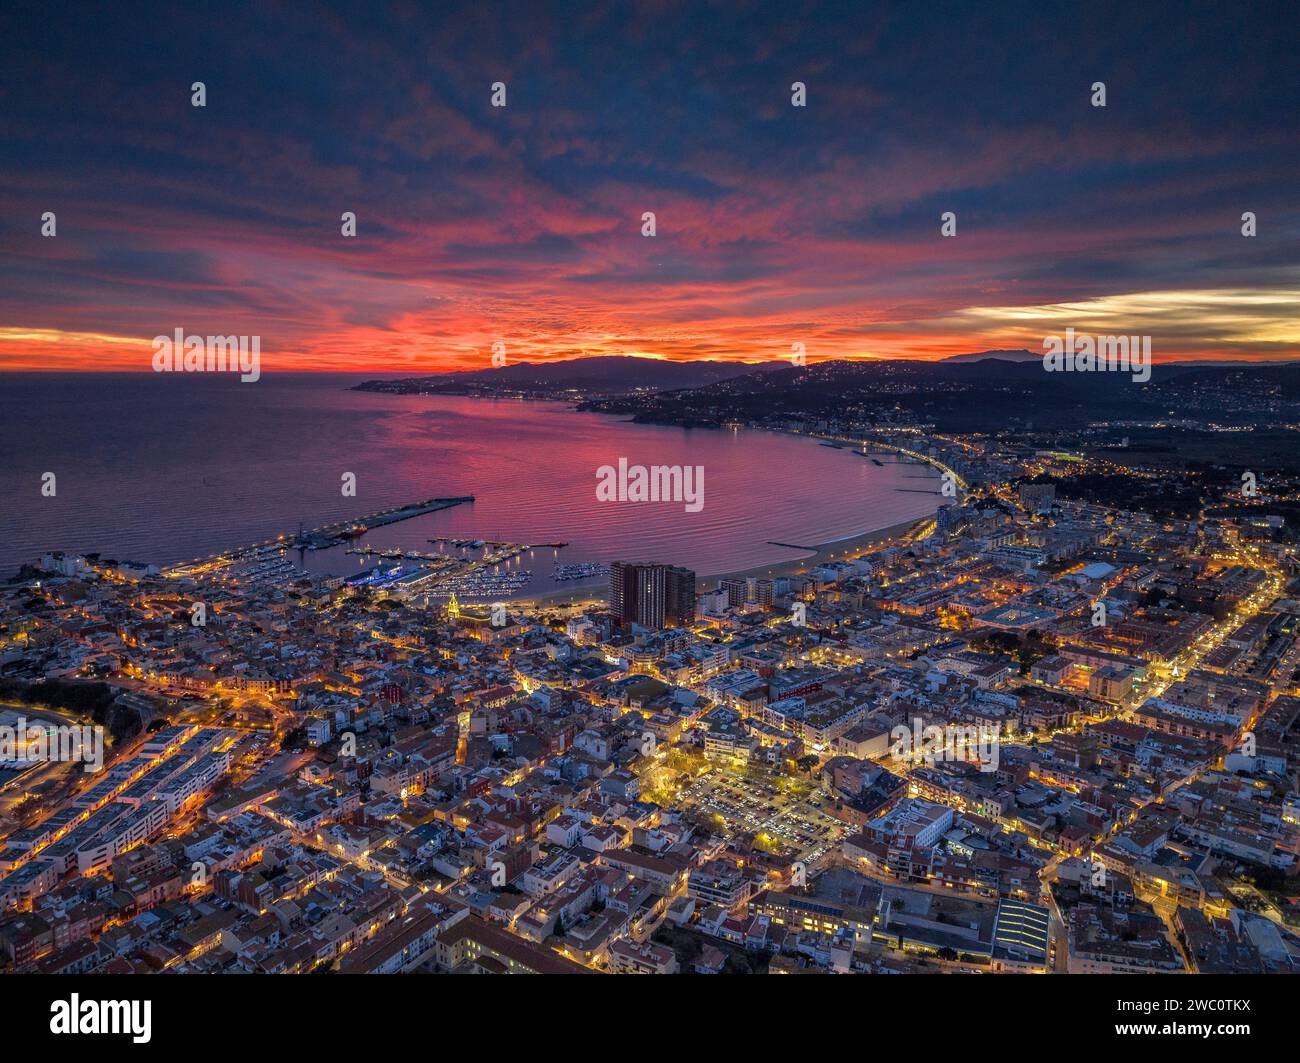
{"points": [[834, 550], [815, 555]]}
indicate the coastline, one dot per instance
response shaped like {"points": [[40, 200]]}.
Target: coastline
{"points": [[834, 549], [823, 552], [793, 559]]}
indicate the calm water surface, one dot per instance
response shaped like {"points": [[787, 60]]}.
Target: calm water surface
{"points": [[166, 467]]}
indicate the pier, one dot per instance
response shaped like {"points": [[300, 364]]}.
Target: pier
{"points": [[392, 516], [328, 535], [399, 555]]}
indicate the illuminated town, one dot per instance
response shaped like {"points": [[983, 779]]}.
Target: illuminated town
{"points": [[670, 488], [754, 775]]}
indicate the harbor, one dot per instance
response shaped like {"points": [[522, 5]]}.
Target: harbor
{"points": [[234, 563], [437, 576], [463, 544], [470, 568], [399, 555]]}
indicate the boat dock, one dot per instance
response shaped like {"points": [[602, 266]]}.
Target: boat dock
{"points": [[398, 555], [322, 538]]}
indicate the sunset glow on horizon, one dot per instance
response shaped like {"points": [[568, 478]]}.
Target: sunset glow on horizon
{"points": [[522, 224]]}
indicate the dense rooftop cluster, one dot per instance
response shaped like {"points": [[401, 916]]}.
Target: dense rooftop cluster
{"points": [[1030, 734]]}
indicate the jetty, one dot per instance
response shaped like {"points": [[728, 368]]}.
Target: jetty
{"points": [[328, 535], [392, 516]]}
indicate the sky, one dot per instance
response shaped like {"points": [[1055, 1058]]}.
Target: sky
{"points": [[522, 224]]}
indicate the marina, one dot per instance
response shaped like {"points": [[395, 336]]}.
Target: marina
{"points": [[482, 585], [581, 570], [437, 576], [400, 555], [325, 537], [496, 552], [476, 544]]}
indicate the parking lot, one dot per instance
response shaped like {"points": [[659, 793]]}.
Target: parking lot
{"points": [[768, 804]]}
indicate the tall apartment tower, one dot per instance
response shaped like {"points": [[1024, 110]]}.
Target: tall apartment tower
{"points": [[737, 591], [651, 594]]}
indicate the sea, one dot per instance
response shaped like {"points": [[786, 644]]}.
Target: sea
{"points": [[164, 468]]}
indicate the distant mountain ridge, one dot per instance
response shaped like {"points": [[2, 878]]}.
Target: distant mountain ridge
{"points": [[612, 374], [618, 374], [968, 395], [1020, 355]]}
